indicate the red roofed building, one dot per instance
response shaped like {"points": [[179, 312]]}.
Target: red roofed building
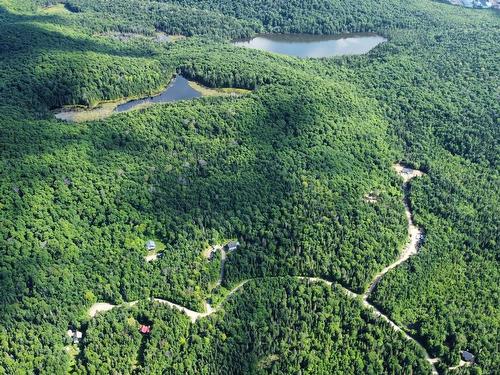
{"points": [[144, 329]]}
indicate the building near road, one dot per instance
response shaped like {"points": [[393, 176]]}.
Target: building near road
{"points": [[233, 245]]}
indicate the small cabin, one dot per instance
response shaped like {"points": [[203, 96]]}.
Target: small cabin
{"points": [[407, 170], [233, 245], [150, 245], [144, 329], [467, 356], [75, 336]]}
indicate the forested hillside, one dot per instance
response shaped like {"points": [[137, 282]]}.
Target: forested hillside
{"points": [[285, 170], [285, 327]]}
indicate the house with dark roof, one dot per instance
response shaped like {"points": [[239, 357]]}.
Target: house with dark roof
{"points": [[467, 356]]}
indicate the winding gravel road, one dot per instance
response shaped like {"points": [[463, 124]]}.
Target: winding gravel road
{"points": [[415, 235]]}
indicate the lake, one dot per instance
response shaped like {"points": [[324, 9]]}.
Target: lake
{"points": [[179, 89], [315, 46]]}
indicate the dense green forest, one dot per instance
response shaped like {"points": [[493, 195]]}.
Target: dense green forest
{"points": [[283, 169]]}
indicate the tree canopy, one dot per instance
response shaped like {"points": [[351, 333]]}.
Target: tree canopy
{"points": [[283, 169]]}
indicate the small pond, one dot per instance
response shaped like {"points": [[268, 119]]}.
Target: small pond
{"points": [[179, 89], [315, 46]]}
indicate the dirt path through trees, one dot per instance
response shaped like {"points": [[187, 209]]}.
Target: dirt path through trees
{"points": [[415, 234]]}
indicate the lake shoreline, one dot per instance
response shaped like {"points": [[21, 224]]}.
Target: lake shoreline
{"points": [[313, 45]]}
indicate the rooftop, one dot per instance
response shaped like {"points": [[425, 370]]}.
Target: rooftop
{"points": [[467, 356], [232, 245]]}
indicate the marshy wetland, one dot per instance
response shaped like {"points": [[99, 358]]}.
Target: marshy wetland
{"points": [[179, 88]]}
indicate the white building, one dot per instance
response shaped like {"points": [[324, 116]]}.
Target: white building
{"points": [[233, 245], [150, 245]]}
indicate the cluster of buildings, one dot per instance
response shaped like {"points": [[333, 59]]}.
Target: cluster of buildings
{"points": [[479, 4], [229, 247]]}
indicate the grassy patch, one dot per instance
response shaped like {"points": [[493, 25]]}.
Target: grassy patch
{"points": [[268, 361], [56, 9], [170, 38], [72, 351], [207, 91], [79, 114]]}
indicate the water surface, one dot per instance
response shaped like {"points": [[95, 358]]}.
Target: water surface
{"points": [[315, 46], [178, 89]]}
